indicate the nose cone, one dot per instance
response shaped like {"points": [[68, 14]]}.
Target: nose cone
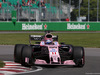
{"points": [[55, 59], [54, 54]]}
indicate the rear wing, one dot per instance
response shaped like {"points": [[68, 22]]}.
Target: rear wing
{"points": [[40, 37], [36, 37]]}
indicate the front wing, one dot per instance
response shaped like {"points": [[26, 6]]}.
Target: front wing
{"points": [[43, 62]]}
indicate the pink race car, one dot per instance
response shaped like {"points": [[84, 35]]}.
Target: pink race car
{"points": [[48, 52]]}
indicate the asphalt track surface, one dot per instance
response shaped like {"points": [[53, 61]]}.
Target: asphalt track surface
{"points": [[92, 65]]}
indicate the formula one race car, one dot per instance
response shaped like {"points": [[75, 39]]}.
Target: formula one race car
{"points": [[48, 52]]}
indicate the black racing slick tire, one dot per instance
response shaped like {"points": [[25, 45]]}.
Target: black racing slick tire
{"points": [[79, 56], [17, 52], [27, 58]]}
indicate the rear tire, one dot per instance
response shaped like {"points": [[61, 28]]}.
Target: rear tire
{"points": [[27, 57], [79, 56], [17, 52]]}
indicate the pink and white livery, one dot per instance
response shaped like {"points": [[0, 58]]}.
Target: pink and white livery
{"points": [[48, 52]]}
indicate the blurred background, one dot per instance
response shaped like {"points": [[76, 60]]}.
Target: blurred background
{"points": [[50, 10]]}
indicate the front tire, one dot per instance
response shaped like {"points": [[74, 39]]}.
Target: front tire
{"points": [[17, 52], [27, 56], [79, 56]]}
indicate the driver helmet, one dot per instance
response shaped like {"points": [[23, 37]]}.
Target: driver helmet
{"points": [[48, 41]]}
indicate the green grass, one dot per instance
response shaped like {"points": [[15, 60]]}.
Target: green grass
{"points": [[1, 64], [76, 39]]}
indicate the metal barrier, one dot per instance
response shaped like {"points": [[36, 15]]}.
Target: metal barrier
{"points": [[53, 10]]}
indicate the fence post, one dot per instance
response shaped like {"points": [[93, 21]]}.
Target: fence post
{"points": [[59, 10], [7, 10], [18, 11], [97, 10], [88, 10], [69, 10], [79, 10], [29, 10]]}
